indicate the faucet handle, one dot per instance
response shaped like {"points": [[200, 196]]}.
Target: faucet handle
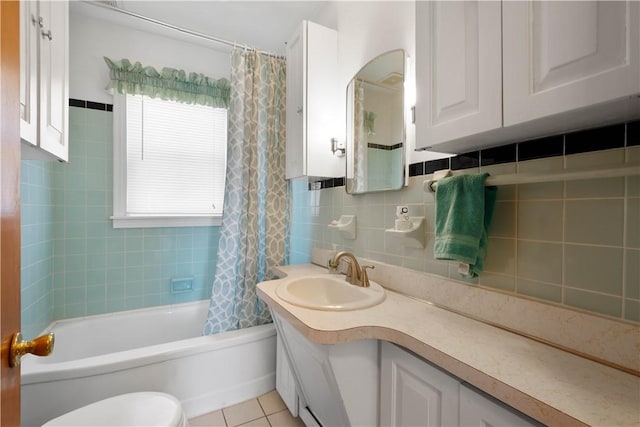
{"points": [[365, 276]]}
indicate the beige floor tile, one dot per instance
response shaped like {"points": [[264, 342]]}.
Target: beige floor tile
{"points": [[243, 412], [260, 422], [212, 419], [271, 402], [285, 419]]}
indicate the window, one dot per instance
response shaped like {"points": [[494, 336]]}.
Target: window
{"points": [[169, 162]]}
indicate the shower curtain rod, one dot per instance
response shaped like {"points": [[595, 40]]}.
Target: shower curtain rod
{"points": [[177, 28], [527, 178]]}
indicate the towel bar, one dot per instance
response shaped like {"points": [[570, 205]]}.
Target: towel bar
{"points": [[526, 178]]}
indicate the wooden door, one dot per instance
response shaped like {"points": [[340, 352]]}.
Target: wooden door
{"points": [[9, 206], [458, 69], [564, 55]]}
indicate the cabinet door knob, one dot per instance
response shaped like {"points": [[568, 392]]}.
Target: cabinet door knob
{"points": [[299, 110], [47, 34]]}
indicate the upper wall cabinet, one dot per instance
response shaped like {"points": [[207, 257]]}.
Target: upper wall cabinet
{"points": [[313, 103], [44, 77], [490, 72], [459, 69], [559, 56]]}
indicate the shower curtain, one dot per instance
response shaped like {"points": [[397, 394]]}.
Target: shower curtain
{"points": [[254, 225]]}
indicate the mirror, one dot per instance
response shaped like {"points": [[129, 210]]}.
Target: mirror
{"points": [[375, 126]]}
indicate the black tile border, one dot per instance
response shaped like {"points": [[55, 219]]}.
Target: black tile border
{"points": [[541, 148], [326, 183], [416, 169], [595, 139], [602, 138], [77, 103], [90, 105], [384, 147], [466, 160], [430, 166], [589, 140], [633, 134], [498, 155]]}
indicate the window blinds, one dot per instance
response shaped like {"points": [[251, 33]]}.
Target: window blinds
{"points": [[176, 157]]}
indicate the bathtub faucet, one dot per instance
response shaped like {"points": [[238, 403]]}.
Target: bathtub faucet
{"points": [[355, 275]]}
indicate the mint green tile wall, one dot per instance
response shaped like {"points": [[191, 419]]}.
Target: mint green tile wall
{"points": [[387, 165], [302, 210], [99, 269], [378, 161], [574, 243], [74, 262], [36, 246]]}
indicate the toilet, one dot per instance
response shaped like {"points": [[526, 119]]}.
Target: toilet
{"points": [[127, 410]]}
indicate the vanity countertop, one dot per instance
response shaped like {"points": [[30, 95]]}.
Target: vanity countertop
{"points": [[550, 385]]}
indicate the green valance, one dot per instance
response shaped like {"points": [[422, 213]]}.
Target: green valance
{"points": [[170, 84]]}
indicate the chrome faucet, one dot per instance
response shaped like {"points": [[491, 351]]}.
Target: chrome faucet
{"points": [[355, 275]]}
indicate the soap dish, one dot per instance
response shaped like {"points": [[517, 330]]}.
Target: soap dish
{"points": [[413, 237], [346, 225]]}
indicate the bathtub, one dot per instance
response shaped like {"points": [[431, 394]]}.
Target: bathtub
{"points": [[156, 349]]}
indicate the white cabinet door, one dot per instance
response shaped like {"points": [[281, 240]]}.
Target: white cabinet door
{"points": [[285, 381], [313, 371], [414, 393], [313, 98], [476, 410], [564, 55], [29, 34], [54, 90], [295, 164], [458, 64], [44, 79], [338, 384]]}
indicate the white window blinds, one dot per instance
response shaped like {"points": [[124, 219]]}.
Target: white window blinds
{"points": [[176, 158]]}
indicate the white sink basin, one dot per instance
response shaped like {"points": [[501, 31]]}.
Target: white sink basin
{"points": [[329, 292]]}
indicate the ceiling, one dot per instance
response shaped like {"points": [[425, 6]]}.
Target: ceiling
{"points": [[265, 25]]}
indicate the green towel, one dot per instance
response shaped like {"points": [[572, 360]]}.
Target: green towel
{"points": [[464, 207]]}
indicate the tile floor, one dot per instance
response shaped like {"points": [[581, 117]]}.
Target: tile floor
{"points": [[267, 410]]}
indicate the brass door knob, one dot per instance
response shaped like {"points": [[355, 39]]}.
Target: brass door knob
{"points": [[41, 346]]}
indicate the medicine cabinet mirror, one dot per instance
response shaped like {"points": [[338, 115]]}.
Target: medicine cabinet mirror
{"points": [[376, 125]]}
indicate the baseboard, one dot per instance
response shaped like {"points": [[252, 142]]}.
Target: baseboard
{"points": [[219, 399]]}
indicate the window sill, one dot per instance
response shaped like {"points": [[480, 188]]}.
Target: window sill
{"points": [[165, 221]]}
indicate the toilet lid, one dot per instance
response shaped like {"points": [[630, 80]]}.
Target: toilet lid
{"points": [[126, 410]]}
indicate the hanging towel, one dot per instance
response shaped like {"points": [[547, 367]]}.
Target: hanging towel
{"points": [[464, 207]]}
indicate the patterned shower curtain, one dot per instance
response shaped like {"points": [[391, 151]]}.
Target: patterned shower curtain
{"points": [[254, 225]]}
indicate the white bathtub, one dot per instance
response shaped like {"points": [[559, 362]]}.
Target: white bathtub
{"points": [[156, 349]]}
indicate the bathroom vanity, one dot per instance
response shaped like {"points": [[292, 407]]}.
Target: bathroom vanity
{"points": [[418, 364]]}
